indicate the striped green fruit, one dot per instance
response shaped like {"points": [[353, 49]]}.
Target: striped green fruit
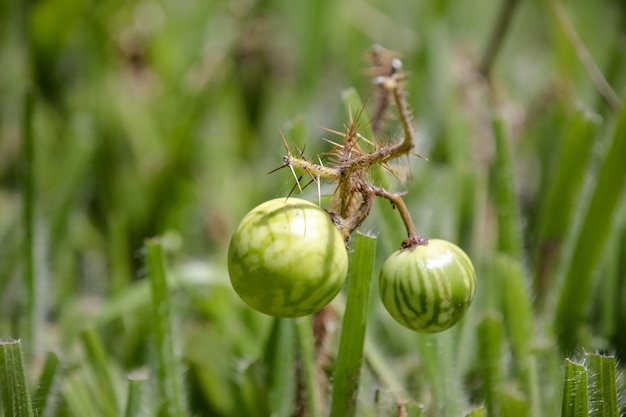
{"points": [[428, 288], [287, 258]]}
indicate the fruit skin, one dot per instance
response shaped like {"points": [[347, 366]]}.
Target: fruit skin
{"points": [[428, 288], [287, 258]]}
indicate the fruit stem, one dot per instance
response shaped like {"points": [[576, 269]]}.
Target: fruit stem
{"points": [[413, 239]]}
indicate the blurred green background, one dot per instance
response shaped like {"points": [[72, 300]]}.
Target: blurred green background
{"points": [[125, 120]]}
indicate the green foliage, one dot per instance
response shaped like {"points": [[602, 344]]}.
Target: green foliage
{"points": [[350, 354], [135, 135], [13, 380], [590, 387]]}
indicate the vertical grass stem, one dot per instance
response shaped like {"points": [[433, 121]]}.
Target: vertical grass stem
{"points": [[14, 389], [307, 355], [505, 195], [576, 291], [350, 355], [169, 376]]}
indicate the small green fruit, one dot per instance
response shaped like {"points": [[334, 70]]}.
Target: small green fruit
{"points": [[428, 288], [287, 258]]}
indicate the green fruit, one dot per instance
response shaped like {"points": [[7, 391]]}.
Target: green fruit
{"points": [[287, 258], [428, 288]]}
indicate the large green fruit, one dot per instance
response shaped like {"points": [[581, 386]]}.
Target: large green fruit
{"points": [[428, 288], [287, 258]]}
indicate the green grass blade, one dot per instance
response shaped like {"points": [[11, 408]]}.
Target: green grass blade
{"points": [[389, 403], [307, 355], [34, 314], [350, 355], [609, 325], [556, 214], [253, 391], [78, 397], [477, 412], [103, 369], [14, 389], [168, 374], [550, 369], [490, 339], [601, 385], [280, 364], [436, 351], [118, 252], [512, 403], [505, 193], [519, 321], [414, 410], [44, 395], [575, 391], [381, 368], [135, 397], [576, 291]]}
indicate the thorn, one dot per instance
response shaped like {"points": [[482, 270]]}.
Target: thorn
{"points": [[285, 143], [294, 187], [408, 160], [296, 177], [364, 139], [336, 132], [301, 151], [420, 156], [392, 172], [276, 169], [319, 190], [339, 145], [308, 183]]}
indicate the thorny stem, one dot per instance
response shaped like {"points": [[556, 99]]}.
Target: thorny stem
{"points": [[346, 226], [315, 170], [356, 195], [377, 53], [389, 152]]}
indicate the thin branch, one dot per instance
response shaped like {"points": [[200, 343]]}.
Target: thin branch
{"points": [[311, 168], [387, 153], [498, 34], [585, 58], [413, 239]]}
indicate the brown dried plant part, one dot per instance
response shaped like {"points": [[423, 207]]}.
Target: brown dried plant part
{"points": [[385, 63], [348, 163]]}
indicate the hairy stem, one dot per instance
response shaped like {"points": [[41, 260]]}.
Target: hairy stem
{"points": [[315, 170], [389, 152], [353, 221], [413, 239], [355, 194]]}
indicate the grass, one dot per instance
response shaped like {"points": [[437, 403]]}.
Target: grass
{"points": [[135, 135]]}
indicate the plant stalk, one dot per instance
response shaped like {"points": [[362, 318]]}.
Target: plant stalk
{"points": [[350, 355]]}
